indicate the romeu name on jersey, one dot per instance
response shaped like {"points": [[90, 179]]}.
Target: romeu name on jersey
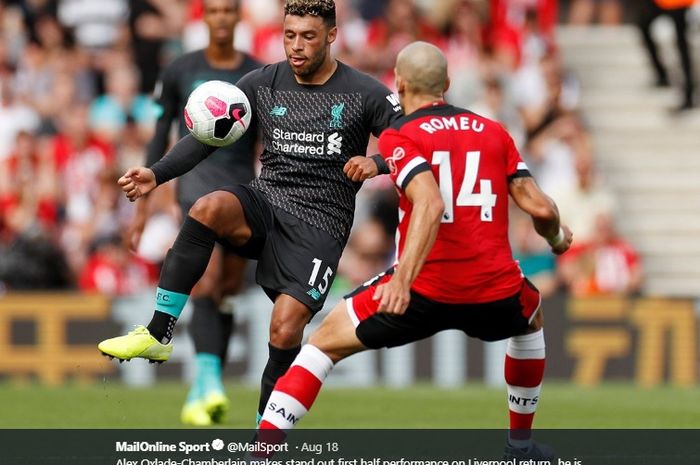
{"points": [[473, 159]]}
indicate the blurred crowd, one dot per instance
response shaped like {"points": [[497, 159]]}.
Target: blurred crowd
{"points": [[75, 112]]}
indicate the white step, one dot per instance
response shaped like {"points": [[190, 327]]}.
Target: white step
{"points": [[648, 156], [673, 286]]}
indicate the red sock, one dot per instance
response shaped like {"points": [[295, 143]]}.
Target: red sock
{"points": [[296, 391], [524, 370]]}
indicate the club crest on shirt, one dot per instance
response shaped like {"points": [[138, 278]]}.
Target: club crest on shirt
{"points": [[337, 116], [397, 155]]}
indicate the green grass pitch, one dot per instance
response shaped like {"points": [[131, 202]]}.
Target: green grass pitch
{"points": [[111, 405]]}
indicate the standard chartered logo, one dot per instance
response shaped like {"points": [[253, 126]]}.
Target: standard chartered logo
{"points": [[335, 143], [312, 143]]}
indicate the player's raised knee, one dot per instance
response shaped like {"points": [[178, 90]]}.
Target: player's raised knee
{"points": [[209, 208]]}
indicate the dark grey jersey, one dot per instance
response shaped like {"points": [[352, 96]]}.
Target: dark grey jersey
{"points": [[226, 166], [309, 133]]}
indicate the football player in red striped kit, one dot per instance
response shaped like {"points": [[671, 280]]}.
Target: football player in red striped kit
{"points": [[454, 171]]}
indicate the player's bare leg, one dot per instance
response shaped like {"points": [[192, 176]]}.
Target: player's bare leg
{"points": [[287, 322], [216, 215], [296, 391], [524, 371]]}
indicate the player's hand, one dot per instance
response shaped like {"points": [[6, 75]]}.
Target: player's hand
{"points": [[360, 168], [393, 297], [563, 245], [137, 182]]}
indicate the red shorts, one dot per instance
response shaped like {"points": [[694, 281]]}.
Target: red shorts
{"points": [[489, 321]]}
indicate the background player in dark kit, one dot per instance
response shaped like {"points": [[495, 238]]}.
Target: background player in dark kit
{"points": [[314, 114], [454, 171], [210, 327]]}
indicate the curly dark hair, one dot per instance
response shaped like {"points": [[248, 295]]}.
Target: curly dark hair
{"points": [[324, 9]]}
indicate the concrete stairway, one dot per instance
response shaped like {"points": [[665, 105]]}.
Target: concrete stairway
{"points": [[649, 157]]}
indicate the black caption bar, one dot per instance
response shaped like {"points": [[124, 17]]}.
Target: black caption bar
{"points": [[343, 447]]}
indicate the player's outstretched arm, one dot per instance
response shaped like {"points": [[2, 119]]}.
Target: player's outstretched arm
{"points": [[545, 215], [187, 153], [428, 207]]}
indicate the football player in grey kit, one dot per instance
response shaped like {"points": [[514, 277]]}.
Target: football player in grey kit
{"points": [[210, 328], [315, 115]]}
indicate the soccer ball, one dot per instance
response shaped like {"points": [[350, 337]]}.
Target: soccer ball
{"points": [[217, 113]]}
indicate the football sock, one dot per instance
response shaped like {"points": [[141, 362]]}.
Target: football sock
{"points": [[210, 328], [209, 373], [184, 265], [195, 392], [277, 364], [524, 370], [296, 391]]}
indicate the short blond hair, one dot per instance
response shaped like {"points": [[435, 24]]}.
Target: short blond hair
{"points": [[324, 9]]}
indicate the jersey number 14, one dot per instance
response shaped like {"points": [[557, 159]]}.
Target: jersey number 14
{"points": [[466, 197]]}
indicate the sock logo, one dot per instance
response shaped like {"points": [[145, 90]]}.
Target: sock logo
{"points": [[162, 297], [281, 411], [523, 400]]}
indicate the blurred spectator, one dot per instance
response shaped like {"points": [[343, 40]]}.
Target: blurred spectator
{"points": [[99, 29], [83, 163], [12, 38], [96, 24], [554, 135], [52, 74], [33, 261], [28, 188], [532, 253], [367, 253], [581, 203], [545, 92], [464, 50], [400, 24], [195, 34], [677, 11], [112, 270], [495, 105], [268, 38], [151, 23], [371, 9], [583, 12], [516, 23], [110, 112], [15, 116], [606, 264]]}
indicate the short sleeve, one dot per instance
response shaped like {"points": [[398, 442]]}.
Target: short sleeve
{"points": [[402, 156], [516, 167], [382, 108]]}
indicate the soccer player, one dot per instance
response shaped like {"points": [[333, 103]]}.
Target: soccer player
{"points": [[210, 327], [454, 171], [314, 113]]}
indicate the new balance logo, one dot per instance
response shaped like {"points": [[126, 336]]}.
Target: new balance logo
{"points": [[335, 144], [394, 101], [278, 111], [314, 293]]}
